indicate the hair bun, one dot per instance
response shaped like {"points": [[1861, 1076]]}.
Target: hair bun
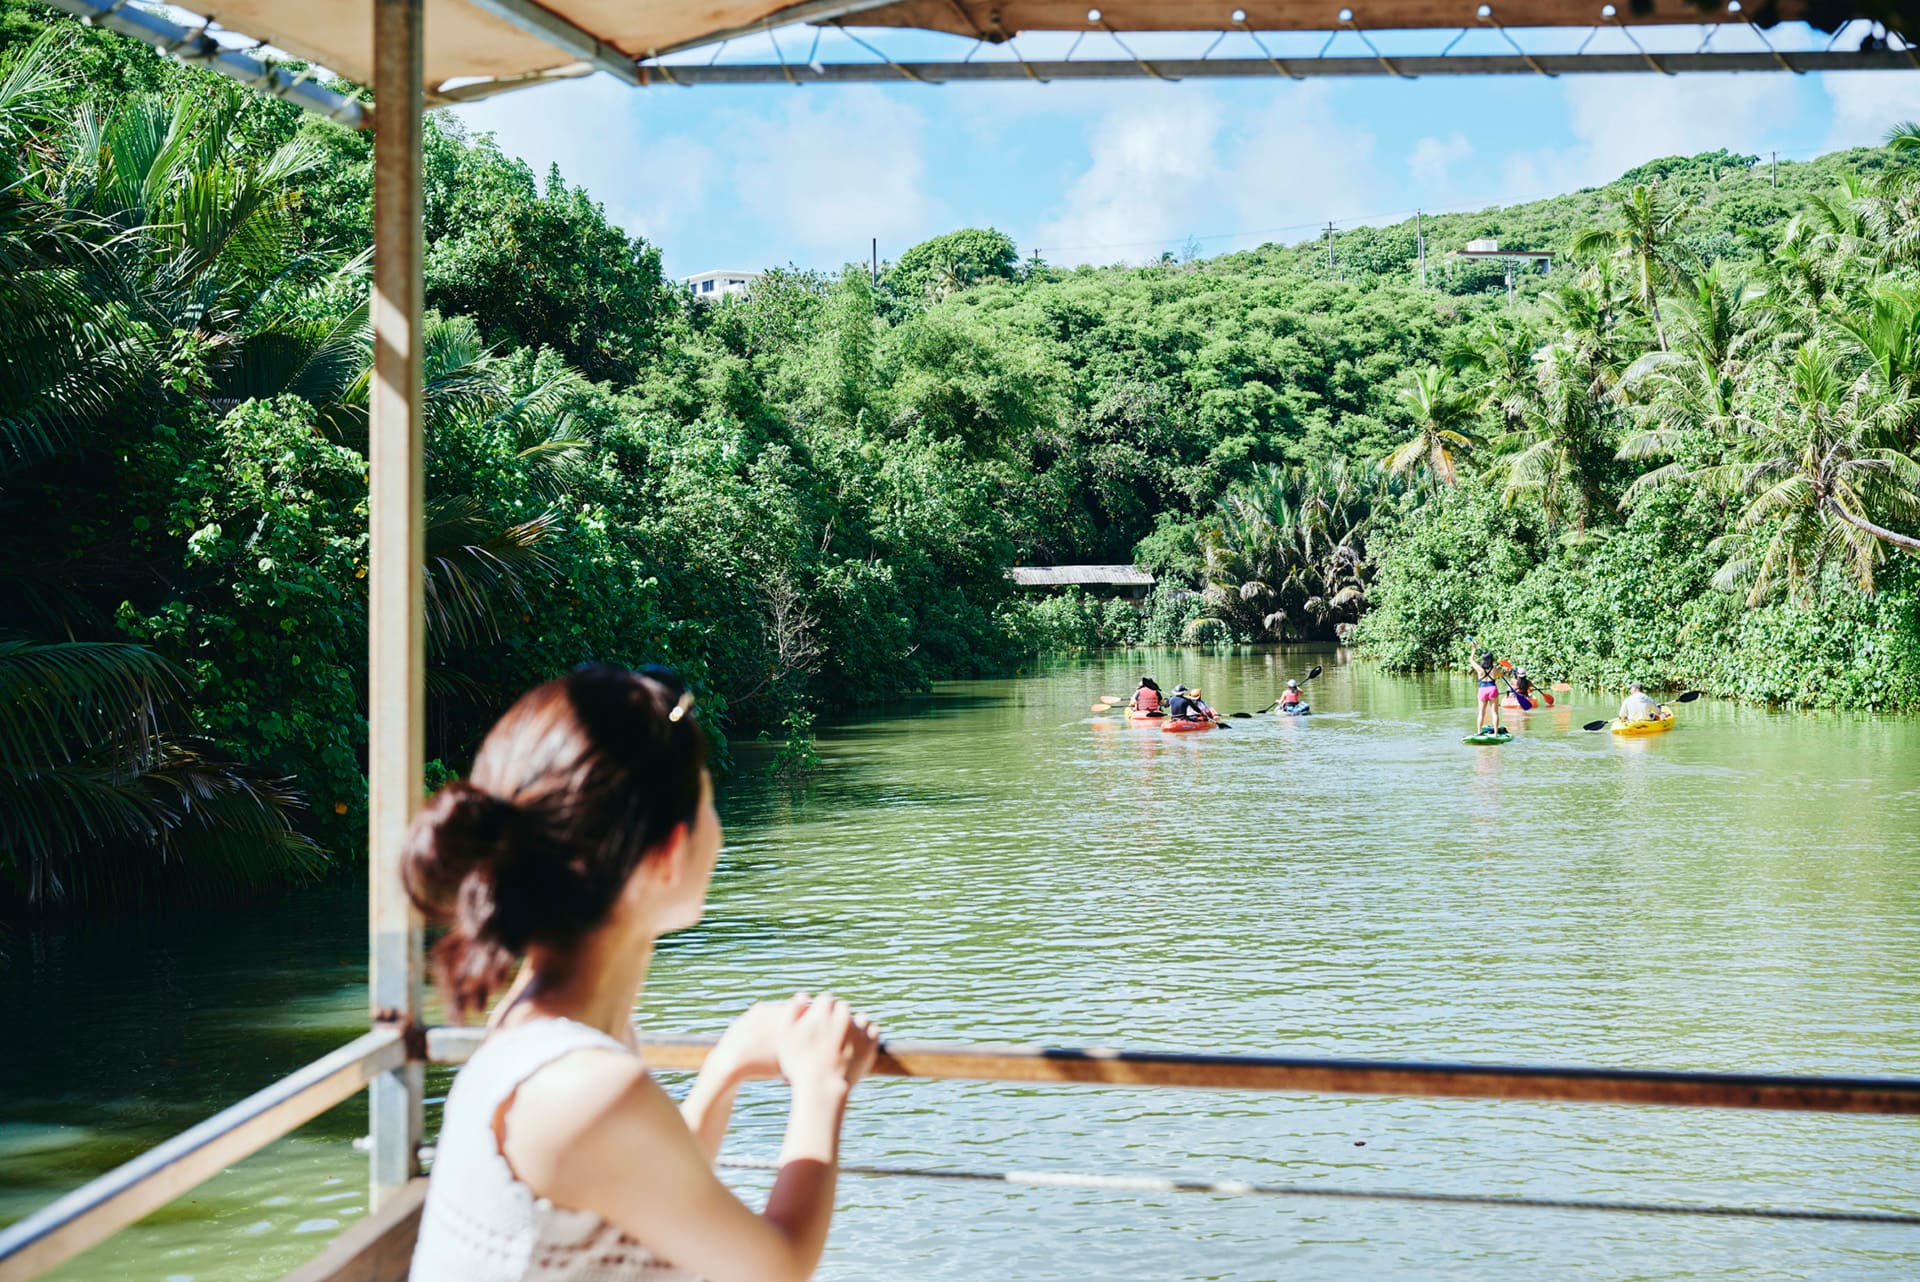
{"points": [[461, 829]]}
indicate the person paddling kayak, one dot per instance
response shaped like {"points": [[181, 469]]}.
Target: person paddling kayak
{"points": [[1188, 706], [1146, 700], [1292, 699], [1484, 667], [1180, 707], [1638, 705]]}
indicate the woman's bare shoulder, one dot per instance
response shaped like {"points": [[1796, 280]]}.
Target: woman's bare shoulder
{"points": [[576, 1105]]}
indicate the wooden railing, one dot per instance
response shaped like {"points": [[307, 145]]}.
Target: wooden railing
{"points": [[123, 1195], [95, 1211], [1110, 1067]]}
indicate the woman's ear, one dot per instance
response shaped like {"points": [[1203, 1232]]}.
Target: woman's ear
{"points": [[675, 853]]}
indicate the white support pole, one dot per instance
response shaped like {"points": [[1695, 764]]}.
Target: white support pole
{"points": [[396, 697]]}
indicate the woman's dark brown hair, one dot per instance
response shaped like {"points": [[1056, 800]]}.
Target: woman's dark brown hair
{"points": [[570, 790]]}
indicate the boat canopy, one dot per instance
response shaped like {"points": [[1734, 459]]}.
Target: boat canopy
{"points": [[475, 47]]}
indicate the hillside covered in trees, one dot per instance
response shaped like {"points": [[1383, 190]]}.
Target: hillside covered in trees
{"points": [[1686, 454]]}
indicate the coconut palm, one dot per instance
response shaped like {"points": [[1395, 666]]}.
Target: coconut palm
{"points": [[1497, 357], [1444, 415], [1559, 454], [1885, 332], [1646, 238], [1696, 386], [1809, 459]]}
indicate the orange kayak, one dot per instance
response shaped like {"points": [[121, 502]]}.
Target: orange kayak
{"points": [[1183, 727]]}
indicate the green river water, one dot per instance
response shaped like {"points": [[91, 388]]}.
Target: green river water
{"points": [[994, 863]]}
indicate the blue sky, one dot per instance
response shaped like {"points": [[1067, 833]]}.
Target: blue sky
{"points": [[1117, 172]]}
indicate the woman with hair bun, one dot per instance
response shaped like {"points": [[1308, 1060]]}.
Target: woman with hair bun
{"points": [[585, 832]]}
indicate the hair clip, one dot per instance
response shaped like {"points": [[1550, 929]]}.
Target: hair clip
{"points": [[682, 707]]}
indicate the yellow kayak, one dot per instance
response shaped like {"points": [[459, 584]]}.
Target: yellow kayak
{"points": [[1664, 724]]}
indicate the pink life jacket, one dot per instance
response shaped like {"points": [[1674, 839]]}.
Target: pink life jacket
{"points": [[1146, 699]]}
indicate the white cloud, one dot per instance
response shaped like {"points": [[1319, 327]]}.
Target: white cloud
{"points": [[1431, 161], [543, 128], [825, 172], [1618, 122], [1168, 165], [1151, 174], [1868, 103]]}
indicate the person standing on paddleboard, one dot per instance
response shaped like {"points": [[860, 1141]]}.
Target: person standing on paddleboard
{"points": [[1484, 667]]}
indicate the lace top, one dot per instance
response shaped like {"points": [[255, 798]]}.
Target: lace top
{"points": [[481, 1224]]}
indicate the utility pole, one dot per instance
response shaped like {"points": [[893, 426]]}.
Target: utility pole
{"points": [[1420, 243], [1329, 249], [876, 260], [1773, 171]]}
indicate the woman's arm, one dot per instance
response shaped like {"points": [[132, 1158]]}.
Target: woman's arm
{"points": [[593, 1132], [749, 1049], [708, 1107]]}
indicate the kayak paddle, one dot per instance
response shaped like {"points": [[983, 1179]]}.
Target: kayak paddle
{"points": [[1517, 696], [1526, 704]]}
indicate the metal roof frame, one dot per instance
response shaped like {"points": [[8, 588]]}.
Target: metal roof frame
{"points": [[252, 67]]}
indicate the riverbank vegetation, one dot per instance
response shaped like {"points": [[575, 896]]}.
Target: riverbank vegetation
{"points": [[1686, 455]]}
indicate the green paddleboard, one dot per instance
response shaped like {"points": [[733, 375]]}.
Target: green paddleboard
{"points": [[1489, 739]]}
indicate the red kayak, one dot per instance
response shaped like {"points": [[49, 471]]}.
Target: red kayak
{"points": [[1182, 727]]}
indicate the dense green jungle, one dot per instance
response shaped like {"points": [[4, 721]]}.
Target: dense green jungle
{"points": [[1686, 454]]}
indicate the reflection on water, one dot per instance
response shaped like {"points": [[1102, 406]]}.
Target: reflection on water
{"points": [[994, 863]]}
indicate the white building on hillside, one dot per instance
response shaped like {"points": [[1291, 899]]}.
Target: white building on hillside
{"points": [[721, 284]]}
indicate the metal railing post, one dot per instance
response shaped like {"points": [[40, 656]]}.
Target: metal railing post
{"points": [[396, 605]]}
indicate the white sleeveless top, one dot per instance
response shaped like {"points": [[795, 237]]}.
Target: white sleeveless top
{"points": [[481, 1224]]}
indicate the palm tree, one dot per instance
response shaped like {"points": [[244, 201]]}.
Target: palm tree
{"points": [[1885, 332], [69, 353], [1288, 549], [1443, 417], [1498, 356], [1645, 238], [1811, 463], [102, 798], [1696, 386], [1560, 453]]}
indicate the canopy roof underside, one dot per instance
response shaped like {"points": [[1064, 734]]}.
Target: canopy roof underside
{"points": [[513, 40]]}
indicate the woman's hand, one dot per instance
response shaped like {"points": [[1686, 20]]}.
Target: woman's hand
{"points": [[829, 1047], [750, 1048]]}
